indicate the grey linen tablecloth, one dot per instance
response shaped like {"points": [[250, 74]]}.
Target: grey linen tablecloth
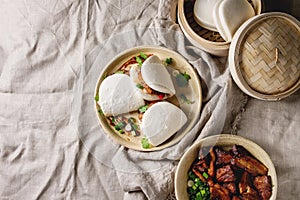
{"points": [[51, 143]]}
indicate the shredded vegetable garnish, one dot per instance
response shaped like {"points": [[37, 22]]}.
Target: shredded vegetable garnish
{"points": [[139, 60], [140, 86], [135, 127], [143, 108], [120, 125], [144, 56], [131, 120], [125, 125]]}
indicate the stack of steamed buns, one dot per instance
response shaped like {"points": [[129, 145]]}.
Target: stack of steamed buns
{"points": [[223, 16]]}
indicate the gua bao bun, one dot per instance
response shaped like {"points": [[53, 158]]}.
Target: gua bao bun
{"points": [[203, 10], [154, 79], [118, 95], [229, 15], [161, 121]]}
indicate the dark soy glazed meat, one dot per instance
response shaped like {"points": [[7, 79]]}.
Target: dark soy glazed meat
{"points": [[232, 175]]}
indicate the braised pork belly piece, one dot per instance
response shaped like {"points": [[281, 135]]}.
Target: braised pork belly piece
{"points": [[250, 164], [244, 182], [233, 174], [223, 157], [225, 174], [264, 186], [231, 187], [218, 192], [250, 194]]}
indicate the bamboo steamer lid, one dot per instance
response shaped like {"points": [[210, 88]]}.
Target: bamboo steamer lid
{"points": [[264, 56], [207, 40]]}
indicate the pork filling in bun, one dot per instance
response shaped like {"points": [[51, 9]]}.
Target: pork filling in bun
{"points": [[153, 79]]}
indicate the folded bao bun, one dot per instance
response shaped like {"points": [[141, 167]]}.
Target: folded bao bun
{"points": [[155, 79], [118, 95], [229, 15], [161, 121], [203, 10]]}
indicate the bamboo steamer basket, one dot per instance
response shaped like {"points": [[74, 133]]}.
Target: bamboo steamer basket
{"points": [[264, 56], [207, 40]]}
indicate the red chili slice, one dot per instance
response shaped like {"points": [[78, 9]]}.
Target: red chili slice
{"points": [[161, 96]]}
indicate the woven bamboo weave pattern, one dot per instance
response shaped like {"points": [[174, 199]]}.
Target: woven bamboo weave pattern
{"points": [[270, 56]]}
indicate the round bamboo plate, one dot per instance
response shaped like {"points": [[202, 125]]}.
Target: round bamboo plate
{"points": [[264, 56], [191, 92], [207, 40]]}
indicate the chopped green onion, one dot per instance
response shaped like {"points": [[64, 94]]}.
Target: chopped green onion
{"points": [[198, 195], [140, 86], [117, 127], [139, 60], [132, 120], [190, 183], [143, 108], [192, 175], [120, 125], [145, 143], [194, 187], [144, 56], [169, 61], [205, 175], [197, 189], [113, 120], [135, 127]]}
